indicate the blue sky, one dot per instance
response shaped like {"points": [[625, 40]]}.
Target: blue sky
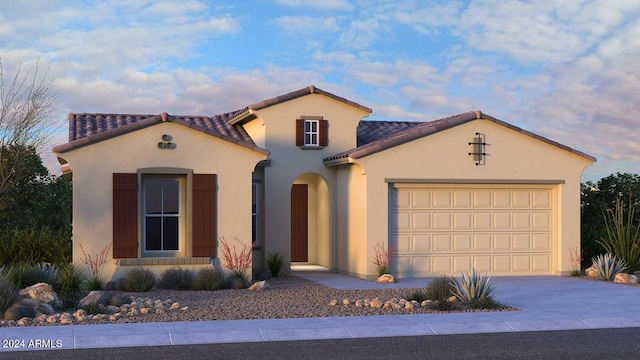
{"points": [[566, 70]]}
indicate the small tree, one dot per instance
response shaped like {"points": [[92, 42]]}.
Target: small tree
{"points": [[25, 106]]}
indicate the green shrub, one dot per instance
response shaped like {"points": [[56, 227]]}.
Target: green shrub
{"points": [[440, 288], [608, 266], [139, 280], [208, 279], [29, 246], [622, 239], [485, 303], [95, 308], [94, 283], [275, 262], [176, 279], [47, 273], [472, 287], [8, 295], [419, 296], [71, 300], [23, 275], [70, 279]]}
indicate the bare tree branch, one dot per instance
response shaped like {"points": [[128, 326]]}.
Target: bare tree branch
{"points": [[25, 106]]}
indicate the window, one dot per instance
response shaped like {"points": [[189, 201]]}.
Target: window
{"points": [[163, 214], [311, 133], [255, 209]]}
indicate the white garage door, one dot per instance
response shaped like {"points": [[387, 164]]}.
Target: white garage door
{"points": [[448, 229]]}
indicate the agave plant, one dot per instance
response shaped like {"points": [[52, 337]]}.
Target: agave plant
{"points": [[46, 272], [471, 288], [609, 266]]}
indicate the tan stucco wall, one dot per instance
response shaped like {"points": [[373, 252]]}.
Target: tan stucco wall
{"points": [[352, 220], [289, 162], [204, 154], [444, 156]]}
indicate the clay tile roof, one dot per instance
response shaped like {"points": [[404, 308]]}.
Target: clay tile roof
{"points": [[373, 130], [88, 128], [418, 130]]}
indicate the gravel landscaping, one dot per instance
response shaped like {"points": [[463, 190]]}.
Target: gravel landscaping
{"points": [[287, 297]]}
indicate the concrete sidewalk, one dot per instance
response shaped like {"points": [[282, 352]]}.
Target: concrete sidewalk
{"points": [[546, 303]]}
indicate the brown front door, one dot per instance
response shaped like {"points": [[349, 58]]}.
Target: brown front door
{"points": [[299, 223]]}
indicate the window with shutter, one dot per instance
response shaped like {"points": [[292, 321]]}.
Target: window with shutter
{"points": [[312, 133]]}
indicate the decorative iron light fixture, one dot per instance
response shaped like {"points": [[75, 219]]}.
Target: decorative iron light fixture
{"points": [[166, 142], [479, 147]]}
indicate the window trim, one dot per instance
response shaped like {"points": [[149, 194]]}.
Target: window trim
{"points": [[310, 133]]}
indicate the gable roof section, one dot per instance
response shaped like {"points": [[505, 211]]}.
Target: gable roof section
{"points": [[247, 113], [86, 129], [373, 130], [424, 129]]}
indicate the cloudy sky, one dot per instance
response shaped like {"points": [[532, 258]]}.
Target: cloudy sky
{"points": [[567, 70]]}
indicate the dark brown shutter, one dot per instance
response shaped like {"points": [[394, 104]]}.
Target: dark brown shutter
{"points": [[204, 215], [299, 132], [324, 133], [125, 215]]}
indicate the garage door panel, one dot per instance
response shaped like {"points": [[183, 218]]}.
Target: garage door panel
{"points": [[482, 220], [500, 230], [462, 199], [421, 220], [441, 265], [522, 220], [421, 243], [462, 264], [441, 242], [482, 242], [482, 198], [442, 198], [501, 242], [501, 221], [522, 199], [462, 242], [502, 199], [421, 199], [442, 221], [521, 263]]}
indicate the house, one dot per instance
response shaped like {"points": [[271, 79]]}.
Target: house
{"points": [[305, 175]]}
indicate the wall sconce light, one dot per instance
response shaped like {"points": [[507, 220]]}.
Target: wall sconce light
{"points": [[166, 142], [479, 149]]}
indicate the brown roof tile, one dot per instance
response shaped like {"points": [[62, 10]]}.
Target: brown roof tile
{"points": [[423, 129], [89, 128]]}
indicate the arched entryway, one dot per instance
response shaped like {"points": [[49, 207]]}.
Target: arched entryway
{"points": [[310, 220]]}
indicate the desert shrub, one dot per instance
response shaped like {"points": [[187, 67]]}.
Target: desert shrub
{"points": [[47, 273], [275, 262], [71, 300], [95, 308], [622, 238], [8, 295], [22, 246], [94, 283], [176, 279], [440, 288], [139, 280], [608, 266], [472, 287], [485, 303], [70, 279], [23, 275], [418, 295], [208, 279]]}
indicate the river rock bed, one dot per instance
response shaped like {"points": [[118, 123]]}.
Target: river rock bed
{"points": [[287, 297]]}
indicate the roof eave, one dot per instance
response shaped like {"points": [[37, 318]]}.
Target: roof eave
{"points": [[243, 117], [339, 161]]}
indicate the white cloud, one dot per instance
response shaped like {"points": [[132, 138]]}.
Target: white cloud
{"points": [[342, 5], [306, 24]]}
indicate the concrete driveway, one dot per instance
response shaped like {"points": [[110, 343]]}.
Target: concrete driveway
{"points": [[546, 303]]}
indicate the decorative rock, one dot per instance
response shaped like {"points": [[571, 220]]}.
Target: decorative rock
{"points": [[53, 318], [95, 297], [426, 303], [452, 299], [66, 319], [144, 311], [22, 322], [174, 306], [386, 278], [260, 285], [359, 303], [346, 302], [41, 291], [622, 278], [185, 308], [333, 302], [119, 300], [39, 307], [408, 306], [18, 311], [592, 272], [376, 303], [159, 311]]}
